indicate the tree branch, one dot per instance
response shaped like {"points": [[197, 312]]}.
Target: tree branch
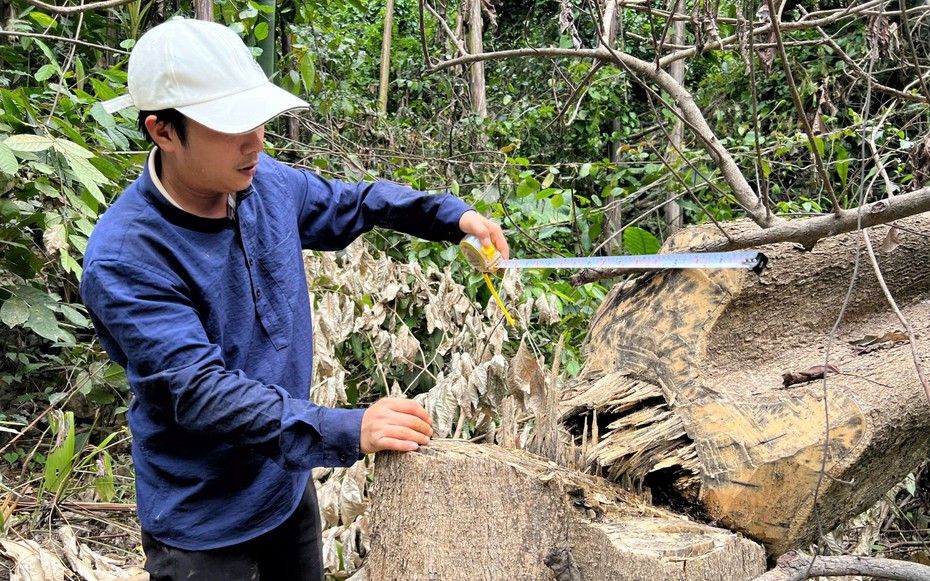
{"points": [[690, 112], [799, 106], [794, 566], [809, 231], [814, 22], [77, 9], [63, 39], [806, 232]]}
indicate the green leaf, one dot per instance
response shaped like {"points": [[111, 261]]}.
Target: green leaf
{"points": [[60, 460], [8, 162], [14, 312], [79, 74], [43, 323], [585, 170], [766, 168], [307, 72], [87, 174], [261, 31], [639, 241], [75, 316], [528, 187], [29, 142], [101, 116], [842, 163], [103, 484], [46, 72], [49, 54], [70, 264], [70, 149], [43, 20]]}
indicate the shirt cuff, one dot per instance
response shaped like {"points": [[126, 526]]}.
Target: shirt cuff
{"points": [[320, 436]]}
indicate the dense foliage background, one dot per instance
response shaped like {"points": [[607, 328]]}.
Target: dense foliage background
{"points": [[573, 158]]}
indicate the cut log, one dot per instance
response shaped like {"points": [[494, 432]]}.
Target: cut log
{"points": [[456, 511], [696, 385]]}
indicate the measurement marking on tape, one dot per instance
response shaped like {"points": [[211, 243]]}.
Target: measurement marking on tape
{"points": [[489, 260]]}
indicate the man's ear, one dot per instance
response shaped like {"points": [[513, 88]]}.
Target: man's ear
{"points": [[163, 134]]}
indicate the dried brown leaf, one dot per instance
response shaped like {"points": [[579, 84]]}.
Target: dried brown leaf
{"points": [[526, 380], [442, 405], [891, 242], [353, 502], [878, 35], [31, 562], [815, 372]]}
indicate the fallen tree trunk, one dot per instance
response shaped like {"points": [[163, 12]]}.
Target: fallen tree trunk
{"points": [[698, 386], [456, 511]]}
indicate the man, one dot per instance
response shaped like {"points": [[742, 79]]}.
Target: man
{"points": [[194, 280]]}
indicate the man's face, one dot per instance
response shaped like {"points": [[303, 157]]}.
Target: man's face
{"points": [[210, 163]]}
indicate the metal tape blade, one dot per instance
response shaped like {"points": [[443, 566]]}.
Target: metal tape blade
{"points": [[645, 263]]}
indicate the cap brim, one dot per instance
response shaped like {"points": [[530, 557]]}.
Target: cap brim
{"points": [[118, 104], [244, 111]]}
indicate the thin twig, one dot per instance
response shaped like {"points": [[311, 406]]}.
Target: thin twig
{"points": [[77, 9], [894, 307], [799, 106], [62, 39]]}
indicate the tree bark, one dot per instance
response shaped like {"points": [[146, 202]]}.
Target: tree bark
{"points": [[457, 511], [796, 567], [673, 216], [385, 78], [203, 10], [689, 377], [479, 102]]}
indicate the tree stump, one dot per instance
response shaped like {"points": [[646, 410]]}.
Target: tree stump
{"points": [[456, 511], [702, 387]]}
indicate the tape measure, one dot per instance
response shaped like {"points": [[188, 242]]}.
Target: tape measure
{"points": [[488, 259]]}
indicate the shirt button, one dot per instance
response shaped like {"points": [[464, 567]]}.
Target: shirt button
{"points": [[343, 458], [258, 293], [251, 262]]}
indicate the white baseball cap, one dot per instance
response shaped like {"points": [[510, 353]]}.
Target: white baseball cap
{"points": [[204, 71]]}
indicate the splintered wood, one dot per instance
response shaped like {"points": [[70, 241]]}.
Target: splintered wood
{"points": [[685, 374], [457, 511]]}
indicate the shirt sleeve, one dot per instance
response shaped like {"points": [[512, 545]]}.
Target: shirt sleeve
{"points": [[333, 213], [149, 326]]}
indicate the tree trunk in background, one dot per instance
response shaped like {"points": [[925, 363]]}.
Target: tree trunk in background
{"points": [[457, 511], [685, 379], [673, 217], [479, 103], [614, 213], [203, 10], [267, 58], [386, 56]]}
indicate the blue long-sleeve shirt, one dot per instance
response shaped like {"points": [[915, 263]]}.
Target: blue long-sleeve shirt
{"points": [[211, 319]]}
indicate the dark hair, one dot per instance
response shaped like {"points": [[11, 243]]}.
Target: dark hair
{"points": [[168, 117]]}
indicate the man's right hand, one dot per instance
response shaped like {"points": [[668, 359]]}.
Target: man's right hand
{"points": [[395, 424]]}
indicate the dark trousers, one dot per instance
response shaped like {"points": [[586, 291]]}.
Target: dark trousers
{"points": [[291, 552]]}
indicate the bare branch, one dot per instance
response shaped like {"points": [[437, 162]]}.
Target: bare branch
{"points": [[797, 567], [805, 24], [799, 106], [861, 74], [63, 39], [897, 312], [809, 231], [77, 9], [690, 112]]}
